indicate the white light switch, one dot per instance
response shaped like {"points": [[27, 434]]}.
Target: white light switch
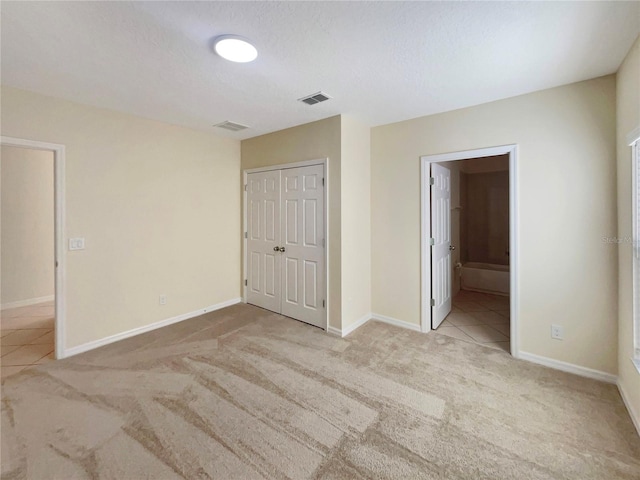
{"points": [[76, 244]]}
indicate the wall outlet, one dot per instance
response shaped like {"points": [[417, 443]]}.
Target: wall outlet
{"points": [[557, 332], [163, 299], [76, 244]]}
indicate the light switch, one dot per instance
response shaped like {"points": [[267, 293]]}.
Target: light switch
{"points": [[76, 244]]}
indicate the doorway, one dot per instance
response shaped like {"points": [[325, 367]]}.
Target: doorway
{"points": [[469, 246], [285, 241], [33, 308]]}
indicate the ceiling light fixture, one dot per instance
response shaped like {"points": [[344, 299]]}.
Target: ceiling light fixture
{"points": [[235, 48]]}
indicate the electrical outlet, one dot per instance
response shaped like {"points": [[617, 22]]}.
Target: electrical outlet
{"points": [[557, 332], [76, 244], [163, 299]]}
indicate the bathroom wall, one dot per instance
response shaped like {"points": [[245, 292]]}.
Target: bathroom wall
{"points": [[487, 217], [26, 249]]}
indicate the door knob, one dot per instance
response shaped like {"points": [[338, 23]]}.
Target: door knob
{"points": [[282, 249], [451, 247], [276, 249]]}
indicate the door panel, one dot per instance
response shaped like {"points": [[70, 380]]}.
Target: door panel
{"points": [[263, 235], [440, 251], [303, 231]]}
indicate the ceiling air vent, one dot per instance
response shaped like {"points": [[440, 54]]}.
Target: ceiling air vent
{"points": [[234, 127], [314, 98]]}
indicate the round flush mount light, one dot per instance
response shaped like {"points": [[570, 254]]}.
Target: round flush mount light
{"points": [[235, 48]]}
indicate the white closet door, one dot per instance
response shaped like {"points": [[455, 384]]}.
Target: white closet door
{"points": [[263, 238], [303, 236], [441, 249]]}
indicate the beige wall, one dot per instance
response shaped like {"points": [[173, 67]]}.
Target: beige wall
{"points": [[486, 216], [158, 205], [567, 189], [27, 248], [311, 141], [628, 118], [356, 220]]}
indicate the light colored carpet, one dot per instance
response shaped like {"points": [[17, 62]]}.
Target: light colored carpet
{"points": [[244, 394]]}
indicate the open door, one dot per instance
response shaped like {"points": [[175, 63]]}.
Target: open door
{"points": [[441, 243]]}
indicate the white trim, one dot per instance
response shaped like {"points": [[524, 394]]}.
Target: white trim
{"points": [[395, 322], [335, 331], [284, 166], [357, 324], [425, 216], [27, 302], [569, 367], [633, 136], [635, 255], [306, 163], [635, 416], [85, 347], [60, 230]]}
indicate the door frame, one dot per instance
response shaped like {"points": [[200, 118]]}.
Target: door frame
{"points": [[307, 163], [425, 216], [59, 231]]}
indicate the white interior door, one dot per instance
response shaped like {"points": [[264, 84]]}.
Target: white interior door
{"points": [[286, 242], [441, 248], [303, 241], [263, 240]]}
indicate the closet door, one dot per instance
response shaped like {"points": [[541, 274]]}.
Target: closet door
{"points": [[263, 240], [303, 239]]}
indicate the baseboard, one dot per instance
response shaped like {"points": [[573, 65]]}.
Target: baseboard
{"points": [[28, 302], [635, 416], [357, 324], [568, 367], [346, 331], [85, 347], [396, 322], [334, 331]]}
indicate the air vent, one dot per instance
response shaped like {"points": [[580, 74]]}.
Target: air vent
{"points": [[314, 98], [234, 127]]}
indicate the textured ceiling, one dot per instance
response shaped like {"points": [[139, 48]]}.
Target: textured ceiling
{"points": [[381, 61]]}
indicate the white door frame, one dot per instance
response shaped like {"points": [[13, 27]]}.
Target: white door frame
{"points": [[425, 216], [59, 236], [321, 161]]}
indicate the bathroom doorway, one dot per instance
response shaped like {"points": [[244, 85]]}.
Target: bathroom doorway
{"points": [[469, 246], [32, 314]]}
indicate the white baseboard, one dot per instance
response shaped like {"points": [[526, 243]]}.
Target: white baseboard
{"points": [[396, 322], [357, 324], [346, 331], [85, 347], [28, 302], [635, 416], [568, 367], [334, 331]]}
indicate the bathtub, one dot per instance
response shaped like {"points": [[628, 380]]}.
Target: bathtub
{"points": [[485, 277]]}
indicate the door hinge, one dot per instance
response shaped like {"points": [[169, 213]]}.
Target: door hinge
{"points": [[322, 303], [432, 241], [245, 283], [323, 181], [432, 181], [433, 302], [246, 236], [245, 187], [323, 242]]}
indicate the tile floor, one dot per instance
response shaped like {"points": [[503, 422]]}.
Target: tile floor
{"points": [[479, 318], [27, 337]]}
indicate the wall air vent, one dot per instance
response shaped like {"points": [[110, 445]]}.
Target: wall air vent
{"points": [[234, 127], [314, 98]]}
